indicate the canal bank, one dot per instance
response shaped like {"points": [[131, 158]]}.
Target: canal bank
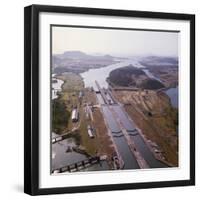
{"points": [[65, 150], [173, 95]]}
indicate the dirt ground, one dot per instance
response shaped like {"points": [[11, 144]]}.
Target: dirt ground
{"points": [[105, 144], [105, 147], [101, 143]]}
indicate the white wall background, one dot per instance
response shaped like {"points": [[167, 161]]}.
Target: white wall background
{"points": [[11, 101]]}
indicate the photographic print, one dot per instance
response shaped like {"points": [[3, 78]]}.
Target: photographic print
{"points": [[109, 99], [114, 99]]}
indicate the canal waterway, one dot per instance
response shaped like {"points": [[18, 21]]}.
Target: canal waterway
{"points": [[62, 158], [63, 155], [173, 95], [128, 157], [100, 75]]}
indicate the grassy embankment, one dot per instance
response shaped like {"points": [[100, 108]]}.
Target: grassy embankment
{"points": [[73, 84], [62, 106], [91, 145]]}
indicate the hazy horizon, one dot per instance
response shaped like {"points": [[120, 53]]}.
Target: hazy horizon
{"points": [[114, 42]]}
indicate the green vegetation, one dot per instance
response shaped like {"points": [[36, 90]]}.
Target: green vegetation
{"points": [[60, 116], [123, 76], [151, 84], [72, 82], [76, 135], [71, 87], [91, 145], [171, 117], [132, 76], [68, 99]]}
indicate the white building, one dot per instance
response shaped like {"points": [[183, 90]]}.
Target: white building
{"points": [[75, 115]]}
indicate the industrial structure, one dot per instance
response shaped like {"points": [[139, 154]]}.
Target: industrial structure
{"points": [[90, 131], [75, 115]]}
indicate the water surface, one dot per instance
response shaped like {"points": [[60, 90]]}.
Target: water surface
{"points": [[100, 74], [56, 87], [173, 95]]}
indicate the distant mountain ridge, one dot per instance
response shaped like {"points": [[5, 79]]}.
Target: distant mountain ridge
{"points": [[74, 54], [80, 55], [78, 61], [159, 61]]}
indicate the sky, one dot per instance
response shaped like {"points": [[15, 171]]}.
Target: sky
{"points": [[114, 42]]}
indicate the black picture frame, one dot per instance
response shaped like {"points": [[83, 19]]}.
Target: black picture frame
{"points": [[31, 98]]}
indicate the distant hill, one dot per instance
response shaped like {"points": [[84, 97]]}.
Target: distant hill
{"points": [[134, 77], [151, 84], [71, 55], [159, 61], [78, 61], [74, 53], [165, 68]]}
